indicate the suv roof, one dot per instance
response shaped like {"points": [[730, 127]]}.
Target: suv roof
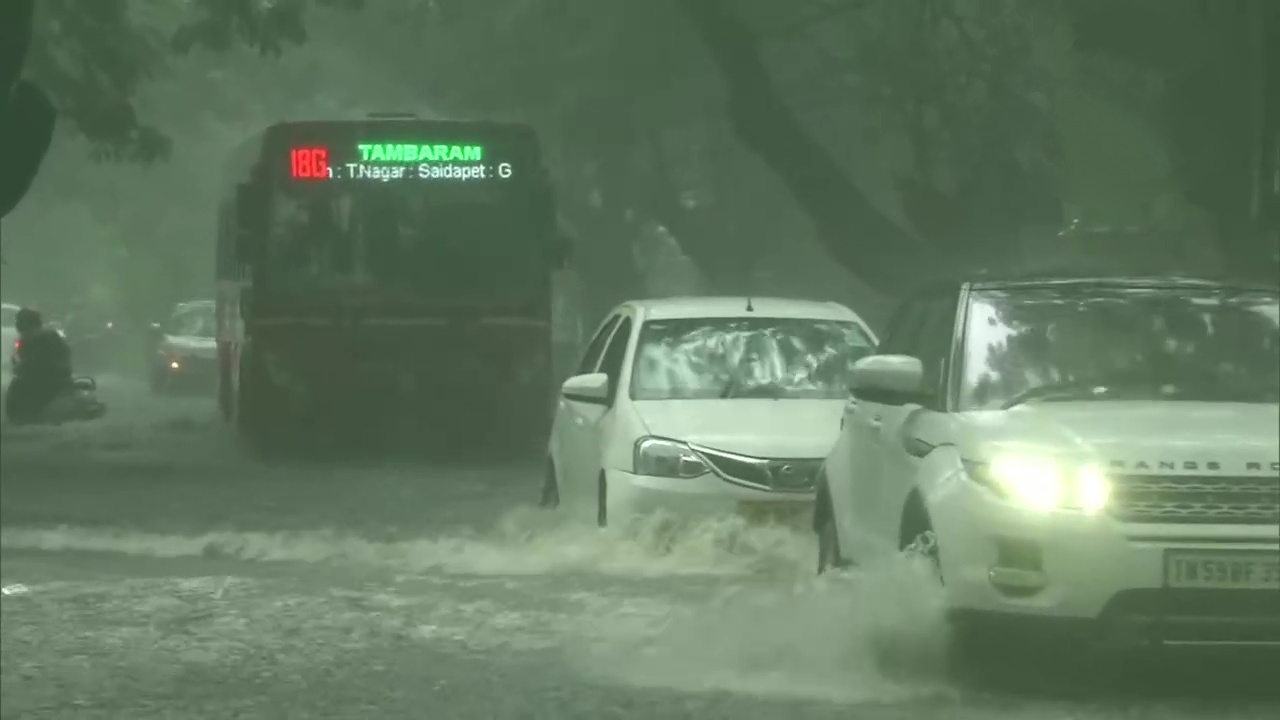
{"points": [[1069, 280]]}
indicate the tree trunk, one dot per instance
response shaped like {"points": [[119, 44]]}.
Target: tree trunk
{"points": [[856, 233]]}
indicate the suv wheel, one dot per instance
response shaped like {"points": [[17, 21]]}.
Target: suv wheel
{"points": [[917, 536]]}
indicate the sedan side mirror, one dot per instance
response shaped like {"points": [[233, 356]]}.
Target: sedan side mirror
{"points": [[592, 388], [888, 379]]}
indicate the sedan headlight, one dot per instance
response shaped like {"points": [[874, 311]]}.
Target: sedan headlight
{"points": [[660, 457], [1041, 483]]}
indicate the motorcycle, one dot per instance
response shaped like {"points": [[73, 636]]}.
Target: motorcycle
{"points": [[77, 402]]}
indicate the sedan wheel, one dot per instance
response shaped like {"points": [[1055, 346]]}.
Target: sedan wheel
{"points": [[829, 557]]}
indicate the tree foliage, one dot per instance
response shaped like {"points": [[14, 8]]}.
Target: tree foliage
{"points": [[26, 115], [95, 58], [1208, 61], [694, 118], [972, 87]]}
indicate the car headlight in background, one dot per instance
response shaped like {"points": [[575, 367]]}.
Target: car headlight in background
{"points": [[660, 457], [1041, 483]]}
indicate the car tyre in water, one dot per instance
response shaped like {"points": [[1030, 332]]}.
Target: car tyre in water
{"points": [[917, 537], [969, 652], [550, 497], [159, 382]]}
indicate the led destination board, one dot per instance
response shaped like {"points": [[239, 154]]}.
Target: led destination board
{"points": [[399, 161]]}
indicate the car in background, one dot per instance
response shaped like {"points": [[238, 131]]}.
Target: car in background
{"points": [[9, 330], [704, 405], [186, 352], [1080, 458]]}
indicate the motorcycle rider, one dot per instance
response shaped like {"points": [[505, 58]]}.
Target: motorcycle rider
{"points": [[42, 372]]}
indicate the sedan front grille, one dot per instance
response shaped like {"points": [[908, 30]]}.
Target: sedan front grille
{"points": [[1196, 499], [789, 476]]}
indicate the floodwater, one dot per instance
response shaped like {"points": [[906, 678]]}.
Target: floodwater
{"points": [[166, 574]]}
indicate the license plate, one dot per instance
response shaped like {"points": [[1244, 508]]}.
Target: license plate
{"points": [[1222, 570], [776, 513]]}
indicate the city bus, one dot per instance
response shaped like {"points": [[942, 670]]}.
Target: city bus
{"points": [[388, 277]]}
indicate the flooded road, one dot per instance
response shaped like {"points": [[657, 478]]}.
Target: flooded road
{"points": [[164, 574]]}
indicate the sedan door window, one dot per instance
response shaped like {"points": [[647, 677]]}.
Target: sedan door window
{"points": [[591, 358], [615, 355]]}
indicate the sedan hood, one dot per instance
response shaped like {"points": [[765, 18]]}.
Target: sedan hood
{"points": [[784, 429], [1167, 437], [191, 346]]}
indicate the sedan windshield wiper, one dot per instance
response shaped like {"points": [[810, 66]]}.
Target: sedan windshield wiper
{"points": [[735, 388]]}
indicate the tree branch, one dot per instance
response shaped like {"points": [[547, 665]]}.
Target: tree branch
{"points": [[858, 235]]}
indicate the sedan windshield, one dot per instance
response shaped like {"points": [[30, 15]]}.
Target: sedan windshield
{"points": [[777, 358], [1055, 344]]}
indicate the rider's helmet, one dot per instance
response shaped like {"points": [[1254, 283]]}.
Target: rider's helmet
{"points": [[28, 321]]}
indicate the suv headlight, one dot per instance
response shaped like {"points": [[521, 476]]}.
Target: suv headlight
{"points": [[1042, 483], [660, 457]]}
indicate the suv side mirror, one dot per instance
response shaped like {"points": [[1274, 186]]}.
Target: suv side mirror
{"points": [[888, 379]]}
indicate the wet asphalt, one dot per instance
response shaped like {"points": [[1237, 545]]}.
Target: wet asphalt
{"points": [[153, 570]]}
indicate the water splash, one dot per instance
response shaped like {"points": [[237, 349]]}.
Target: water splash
{"points": [[874, 634], [526, 541]]}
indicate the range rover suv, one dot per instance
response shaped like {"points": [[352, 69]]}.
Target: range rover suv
{"points": [[1098, 457]]}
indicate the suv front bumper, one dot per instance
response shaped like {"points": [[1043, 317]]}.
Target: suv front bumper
{"points": [[1081, 576]]}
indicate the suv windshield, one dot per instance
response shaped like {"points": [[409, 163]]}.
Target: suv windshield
{"points": [[777, 358], [1044, 344]]}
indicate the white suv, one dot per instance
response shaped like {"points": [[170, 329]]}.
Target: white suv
{"points": [[1095, 456], [704, 405]]}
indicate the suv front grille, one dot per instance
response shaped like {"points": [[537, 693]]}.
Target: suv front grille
{"points": [[1196, 499], [795, 476]]}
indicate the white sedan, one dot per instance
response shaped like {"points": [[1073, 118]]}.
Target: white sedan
{"points": [[704, 405]]}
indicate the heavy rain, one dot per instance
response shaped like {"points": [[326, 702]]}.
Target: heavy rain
{"points": [[750, 359]]}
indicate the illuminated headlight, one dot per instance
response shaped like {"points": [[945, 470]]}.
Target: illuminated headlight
{"points": [[174, 364], [659, 457], [1040, 483]]}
